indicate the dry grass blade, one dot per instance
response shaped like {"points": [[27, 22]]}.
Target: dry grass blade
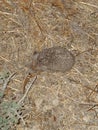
{"points": [[92, 5], [6, 83], [28, 88]]}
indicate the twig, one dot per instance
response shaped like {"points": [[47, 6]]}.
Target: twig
{"points": [[28, 88], [36, 20], [4, 59], [6, 13], [89, 104], [89, 4], [6, 83], [82, 103]]}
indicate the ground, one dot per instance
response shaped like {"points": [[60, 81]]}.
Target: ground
{"points": [[51, 101]]}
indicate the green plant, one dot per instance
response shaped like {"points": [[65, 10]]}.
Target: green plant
{"points": [[9, 114]]}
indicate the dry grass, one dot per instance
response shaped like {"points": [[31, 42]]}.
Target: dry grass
{"points": [[56, 101]]}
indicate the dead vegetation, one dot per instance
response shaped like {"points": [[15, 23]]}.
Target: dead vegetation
{"points": [[54, 101]]}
